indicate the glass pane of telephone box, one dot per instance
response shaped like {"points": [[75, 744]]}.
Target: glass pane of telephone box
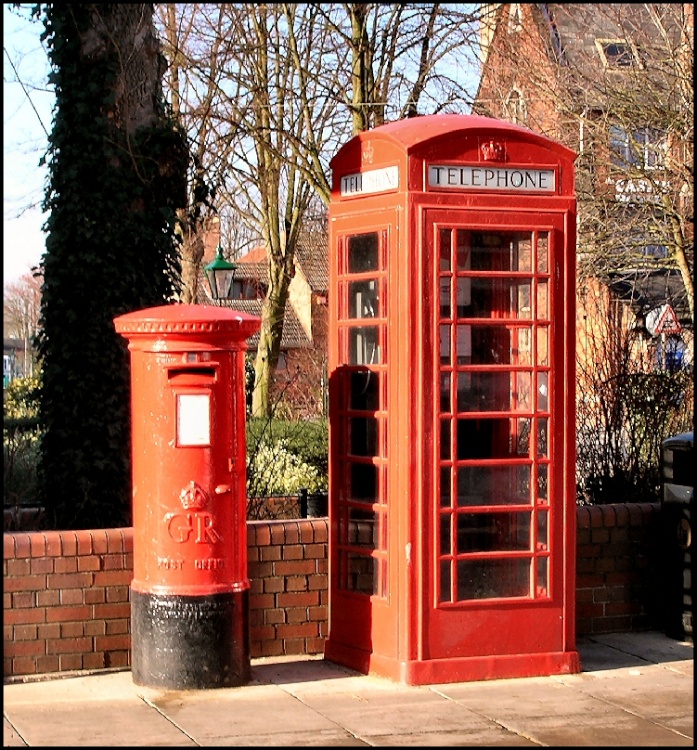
{"points": [[363, 253], [493, 532], [364, 347], [363, 299], [363, 482], [489, 579], [364, 390], [493, 485]]}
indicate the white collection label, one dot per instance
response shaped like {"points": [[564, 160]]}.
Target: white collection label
{"points": [[193, 419]]}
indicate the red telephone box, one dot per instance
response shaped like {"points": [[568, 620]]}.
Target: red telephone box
{"points": [[451, 357]]}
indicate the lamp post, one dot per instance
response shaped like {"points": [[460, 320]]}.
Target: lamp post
{"points": [[221, 275]]}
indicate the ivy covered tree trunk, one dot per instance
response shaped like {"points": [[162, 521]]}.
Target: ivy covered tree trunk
{"points": [[117, 169]]}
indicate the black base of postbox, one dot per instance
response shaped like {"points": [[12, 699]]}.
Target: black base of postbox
{"points": [[190, 642]]}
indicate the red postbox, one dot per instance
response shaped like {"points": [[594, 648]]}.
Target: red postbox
{"points": [[189, 594], [451, 362]]}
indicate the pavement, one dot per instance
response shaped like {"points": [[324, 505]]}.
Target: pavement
{"points": [[635, 689]]}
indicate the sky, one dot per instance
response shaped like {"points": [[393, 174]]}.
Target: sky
{"points": [[24, 142]]}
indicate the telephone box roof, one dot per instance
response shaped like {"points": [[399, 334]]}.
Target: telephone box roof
{"points": [[414, 131]]}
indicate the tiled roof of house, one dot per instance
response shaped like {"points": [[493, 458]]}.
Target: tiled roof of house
{"points": [[293, 336]]}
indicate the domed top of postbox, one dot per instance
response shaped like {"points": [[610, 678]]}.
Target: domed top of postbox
{"points": [[187, 322]]}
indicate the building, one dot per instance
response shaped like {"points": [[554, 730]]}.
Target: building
{"points": [[614, 83], [300, 380]]}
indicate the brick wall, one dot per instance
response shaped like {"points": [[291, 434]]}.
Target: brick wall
{"points": [[66, 594], [617, 567]]}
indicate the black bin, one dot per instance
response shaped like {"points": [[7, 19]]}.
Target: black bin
{"points": [[678, 488]]}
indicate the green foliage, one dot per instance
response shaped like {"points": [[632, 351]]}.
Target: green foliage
{"points": [[618, 458], [307, 439], [274, 470], [21, 398], [110, 249]]}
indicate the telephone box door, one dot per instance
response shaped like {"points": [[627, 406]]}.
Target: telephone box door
{"points": [[495, 510]]}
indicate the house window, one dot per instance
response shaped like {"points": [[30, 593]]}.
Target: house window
{"points": [[515, 18], [616, 53], [514, 107], [644, 148]]}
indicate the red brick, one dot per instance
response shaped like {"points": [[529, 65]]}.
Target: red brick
{"points": [[8, 546], [315, 645], [24, 648], [54, 544], [115, 627], [25, 583], [318, 582], [23, 633], [93, 661], [298, 599], [314, 551], [296, 566], [47, 664], [24, 616], [47, 598], [112, 642], [37, 543], [67, 614], [49, 630], [294, 646], [274, 616], [24, 665], [70, 662], [296, 614], [600, 536], [113, 578], [41, 565], [69, 580], [117, 594], [84, 542], [100, 544], [273, 585], [292, 533], [609, 515], [112, 611], [69, 543], [65, 565], [261, 601], [297, 630], [96, 627], [115, 562], [69, 645], [115, 659], [72, 629], [262, 570], [95, 595], [23, 599], [273, 552], [114, 541], [319, 613], [20, 567], [292, 552], [88, 563]]}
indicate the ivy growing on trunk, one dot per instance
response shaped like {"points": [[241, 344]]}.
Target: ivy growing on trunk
{"points": [[117, 170]]}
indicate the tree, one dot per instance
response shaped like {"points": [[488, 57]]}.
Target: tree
{"points": [[21, 308], [281, 88], [117, 166]]}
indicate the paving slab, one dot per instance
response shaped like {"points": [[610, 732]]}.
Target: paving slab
{"points": [[635, 689]]}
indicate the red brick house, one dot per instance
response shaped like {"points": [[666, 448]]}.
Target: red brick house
{"points": [[562, 70], [301, 376]]}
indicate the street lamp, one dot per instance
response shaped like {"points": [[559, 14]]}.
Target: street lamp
{"points": [[220, 274]]}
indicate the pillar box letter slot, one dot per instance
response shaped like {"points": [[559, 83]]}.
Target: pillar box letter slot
{"points": [[189, 593]]}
